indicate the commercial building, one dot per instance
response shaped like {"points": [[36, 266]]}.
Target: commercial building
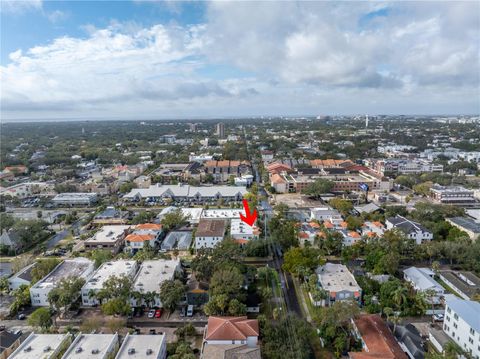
{"points": [[325, 214], [469, 226], [462, 324], [422, 281], [221, 171], [465, 284], [403, 166], [209, 233], [45, 346], [108, 237], [222, 213], [377, 339], [143, 347], [69, 268], [411, 229], [150, 277], [102, 274], [187, 194], [98, 346], [74, 199], [338, 282], [454, 195]]}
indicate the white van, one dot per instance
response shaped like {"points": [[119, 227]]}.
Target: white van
{"points": [[190, 311]]}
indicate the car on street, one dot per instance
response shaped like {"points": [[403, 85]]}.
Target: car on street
{"points": [[151, 313], [158, 313], [21, 316], [438, 317]]}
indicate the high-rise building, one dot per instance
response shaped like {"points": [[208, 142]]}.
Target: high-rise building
{"points": [[366, 121], [220, 130], [193, 127]]}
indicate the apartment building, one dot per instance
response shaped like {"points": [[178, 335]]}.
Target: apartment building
{"points": [[98, 346], [108, 237], [209, 233], [45, 346], [143, 347], [338, 282]]}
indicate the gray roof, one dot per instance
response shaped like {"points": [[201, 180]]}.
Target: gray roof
{"points": [[423, 278], [177, 239], [468, 310], [467, 223], [459, 280], [406, 225], [410, 337], [368, 208], [10, 239], [186, 191]]}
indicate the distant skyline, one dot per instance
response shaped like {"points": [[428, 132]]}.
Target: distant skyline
{"points": [[180, 60]]}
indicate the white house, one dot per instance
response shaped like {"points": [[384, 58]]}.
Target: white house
{"points": [[209, 233], [462, 324], [241, 230], [23, 277], [411, 229], [422, 280], [102, 274], [69, 268], [143, 233], [231, 330]]}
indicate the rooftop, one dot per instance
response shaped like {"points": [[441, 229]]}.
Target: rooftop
{"points": [[238, 227], [468, 310], [423, 278], [109, 233], [467, 223], [210, 228], [233, 351], [223, 213], [231, 328], [141, 346], [107, 270], [177, 239], [77, 267], [336, 277], [153, 273], [90, 346], [465, 281], [39, 346]]}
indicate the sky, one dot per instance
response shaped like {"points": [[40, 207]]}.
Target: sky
{"points": [[187, 60]]}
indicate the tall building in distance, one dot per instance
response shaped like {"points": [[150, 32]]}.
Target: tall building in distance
{"points": [[193, 127], [220, 130], [366, 121]]}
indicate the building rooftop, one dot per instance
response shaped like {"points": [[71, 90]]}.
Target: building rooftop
{"points": [[336, 277], [231, 328], [39, 346], [141, 346], [223, 213], [109, 233], [233, 351], [467, 223], [423, 278], [468, 310], [177, 239], [76, 267], [378, 340], [186, 191], [406, 225], [87, 346], [25, 273], [210, 228], [107, 270], [465, 281], [7, 338], [238, 227], [152, 273]]}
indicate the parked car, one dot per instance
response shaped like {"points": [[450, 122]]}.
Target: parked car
{"points": [[190, 311], [438, 317], [152, 331], [21, 316], [158, 313], [151, 313]]}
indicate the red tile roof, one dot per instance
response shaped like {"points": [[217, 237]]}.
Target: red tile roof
{"points": [[139, 237], [278, 167], [231, 328], [379, 340], [149, 226]]}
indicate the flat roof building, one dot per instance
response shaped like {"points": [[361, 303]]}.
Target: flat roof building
{"points": [[76, 268], [108, 237], [222, 213], [465, 284], [151, 275], [143, 347], [468, 225], [239, 230], [339, 282], [102, 274], [75, 198], [87, 346], [454, 195], [43, 346]]}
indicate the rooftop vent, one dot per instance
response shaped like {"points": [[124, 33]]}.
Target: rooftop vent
{"points": [[95, 351], [131, 351], [47, 348], [78, 350], [149, 351], [27, 349]]}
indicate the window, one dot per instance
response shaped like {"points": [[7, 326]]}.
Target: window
{"points": [[448, 318], [470, 340], [455, 325], [455, 316], [449, 310], [472, 331]]}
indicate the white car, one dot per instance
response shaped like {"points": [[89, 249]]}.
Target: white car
{"points": [[151, 313], [438, 317]]}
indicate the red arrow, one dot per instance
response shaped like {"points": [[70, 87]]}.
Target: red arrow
{"points": [[250, 217]]}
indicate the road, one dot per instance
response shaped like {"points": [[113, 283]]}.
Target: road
{"points": [[52, 242], [287, 285]]}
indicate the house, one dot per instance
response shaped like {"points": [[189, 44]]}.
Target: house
{"points": [[412, 230], [350, 237], [373, 229], [23, 277], [102, 274], [75, 199], [9, 341], [197, 292], [409, 339], [209, 233], [338, 282], [279, 183], [469, 226], [368, 208], [150, 277], [143, 346], [231, 330], [466, 284], [325, 214], [422, 281], [108, 237], [141, 234], [377, 339], [11, 240], [110, 216], [69, 268], [45, 346], [86, 346], [462, 324]]}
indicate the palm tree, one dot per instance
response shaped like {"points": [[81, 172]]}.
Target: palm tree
{"points": [[399, 296]]}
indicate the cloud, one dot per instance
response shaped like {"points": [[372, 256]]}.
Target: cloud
{"points": [[20, 6], [57, 16], [276, 57]]}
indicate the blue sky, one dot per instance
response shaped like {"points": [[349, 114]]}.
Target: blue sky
{"points": [[172, 59]]}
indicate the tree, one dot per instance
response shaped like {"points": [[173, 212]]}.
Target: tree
{"points": [[423, 188], [354, 223], [21, 297], [171, 293], [236, 308], [226, 281], [66, 293], [301, 261], [115, 287], [4, 285], [342, 205], [116, 306], [126, 187], [319, 187], [143, 217], [115, 324], [100, 256], [217, 305], [41, 318], [173, 219]]}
